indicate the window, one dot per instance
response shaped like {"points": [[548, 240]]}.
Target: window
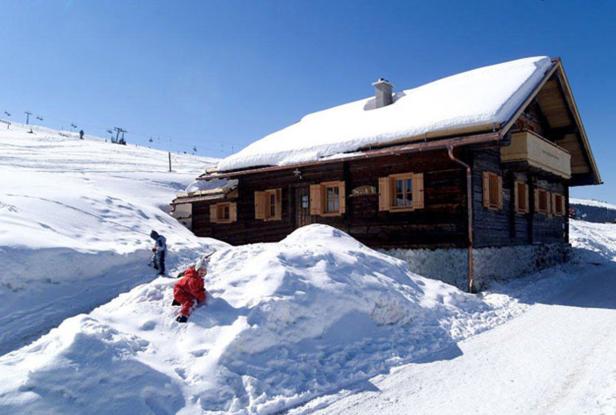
{"points": [[542, 201], [224, 212], [521, 197], [403, 196], [492, 190], [401, 192], [328, 199], [558, 204], [268, 204], [332, 197]]}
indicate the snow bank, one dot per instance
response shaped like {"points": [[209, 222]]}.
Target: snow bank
{"points": [[477, 100], [284, 322]]}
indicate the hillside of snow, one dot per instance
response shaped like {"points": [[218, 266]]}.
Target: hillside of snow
{"points": [[75, 216], [593, 210]]}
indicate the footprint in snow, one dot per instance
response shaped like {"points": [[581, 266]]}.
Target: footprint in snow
{"points": [[148, 325], [199, 352]]}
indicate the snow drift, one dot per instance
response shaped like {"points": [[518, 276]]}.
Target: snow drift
{"points": [[284, 322]]}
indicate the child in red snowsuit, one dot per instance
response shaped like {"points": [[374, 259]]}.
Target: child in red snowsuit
{"points": [[189, 289]]}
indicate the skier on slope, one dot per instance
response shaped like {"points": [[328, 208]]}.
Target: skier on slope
{"points": [[190, 289], [160, 251]]}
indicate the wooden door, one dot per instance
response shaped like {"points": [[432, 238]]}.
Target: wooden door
{"points": [[302, 206]]}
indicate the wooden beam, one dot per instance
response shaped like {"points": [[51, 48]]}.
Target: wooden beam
{"points": [[529, 99]]}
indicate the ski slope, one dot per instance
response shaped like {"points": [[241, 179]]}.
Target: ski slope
{"points": [[75, 216]]}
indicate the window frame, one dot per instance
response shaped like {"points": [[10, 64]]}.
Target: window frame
{"points": [[263, 205], [558, 209], [538, 192], [488, 203], [318, 202], [387, 192], [405, 192], [339, 186], [518, 197], [216, 208]]}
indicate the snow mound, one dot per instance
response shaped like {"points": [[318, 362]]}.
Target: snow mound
{"points": [[284, 322], [474, 100]]}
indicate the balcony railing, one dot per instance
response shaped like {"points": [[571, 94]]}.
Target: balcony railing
{"points": [[538, 152]]}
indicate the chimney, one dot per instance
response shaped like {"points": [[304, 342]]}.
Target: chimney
{"points": [[382, 93]]}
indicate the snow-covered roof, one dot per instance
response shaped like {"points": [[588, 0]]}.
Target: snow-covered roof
{"points": [[475, 100], [202, 190]]}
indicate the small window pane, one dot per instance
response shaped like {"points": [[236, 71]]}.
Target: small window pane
{"points": [[522, 197], [222, 212], [272, 205], [404, 193], [543, 201], [333, 201], [494, 190]]}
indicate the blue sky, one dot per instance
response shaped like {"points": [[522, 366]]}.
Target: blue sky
{"points": [[220, 74]]}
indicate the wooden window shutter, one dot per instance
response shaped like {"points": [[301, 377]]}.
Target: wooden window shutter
{"points": [[526, 198], [563, 205], [418, 191], [278, 215], [232, 212], [384, 193], [486, 189], [259, 205], [500, 192], [213, 214], [553, 203], [342, 197], [316, 196], [536, 200], [548, 197], [516, 197]]}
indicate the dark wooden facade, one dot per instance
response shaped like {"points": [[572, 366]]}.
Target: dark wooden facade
{"points": [[442, 222]]}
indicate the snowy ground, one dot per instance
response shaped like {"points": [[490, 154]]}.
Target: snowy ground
{"points": [[319, 322], [556, 358], [74, 222]]}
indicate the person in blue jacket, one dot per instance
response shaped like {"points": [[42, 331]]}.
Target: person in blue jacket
{"points": [[160, 251]]}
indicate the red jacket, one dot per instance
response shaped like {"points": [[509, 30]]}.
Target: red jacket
{"points": [[191, 285]]}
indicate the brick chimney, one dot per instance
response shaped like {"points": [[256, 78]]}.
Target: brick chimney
{"points": [[382, 93]]}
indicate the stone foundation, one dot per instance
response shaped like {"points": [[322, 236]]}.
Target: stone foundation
{"points": [[491, 264]]}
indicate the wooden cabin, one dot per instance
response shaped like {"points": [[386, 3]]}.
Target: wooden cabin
{"points": [[469, 182]]}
